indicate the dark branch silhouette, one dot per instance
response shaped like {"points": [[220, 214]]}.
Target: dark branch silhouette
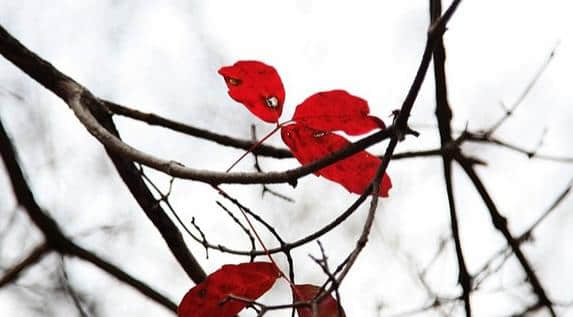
{"points": [[97, 115], [55, 239]]}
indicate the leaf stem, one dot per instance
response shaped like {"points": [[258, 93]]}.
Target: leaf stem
{"points": [[254, 146]]}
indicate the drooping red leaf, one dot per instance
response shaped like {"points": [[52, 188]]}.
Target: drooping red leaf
{"points": [[250, 280], [257, 86], [328, 307], [337, 110], [354, 173]]}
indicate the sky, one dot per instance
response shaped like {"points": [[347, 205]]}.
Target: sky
{"points": [[163, 57]]}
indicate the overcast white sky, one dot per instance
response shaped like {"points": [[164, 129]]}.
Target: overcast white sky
{"points": [[163, 57]]}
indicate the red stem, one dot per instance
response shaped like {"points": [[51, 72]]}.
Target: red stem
{"points": [[254, 146]]}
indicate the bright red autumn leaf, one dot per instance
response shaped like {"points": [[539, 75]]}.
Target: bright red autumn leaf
{"points": [[250, 280], [337, 110], [354, 173], [257, 86], [328, 307]]}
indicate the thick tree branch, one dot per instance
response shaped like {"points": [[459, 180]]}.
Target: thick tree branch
{"points": [[97, 120], [80, 98], [67, 89], [444, 117], [55, 238]]}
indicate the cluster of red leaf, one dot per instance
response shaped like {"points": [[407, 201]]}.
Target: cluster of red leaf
{"points": [[311, 136], [227, 291]]}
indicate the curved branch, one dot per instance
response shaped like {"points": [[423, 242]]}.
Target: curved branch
{"points": [[85, 105], [226, 140], [67, 89], [157, 120], [81, 101]]}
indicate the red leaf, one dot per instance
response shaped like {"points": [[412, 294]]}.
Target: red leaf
{"points": [[354, 173], [328, 307], [250, 280], [257, 86], [337, 110]]}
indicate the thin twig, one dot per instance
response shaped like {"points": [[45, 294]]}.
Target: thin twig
{"points": [[78, 302], [524, 93], [157, 120], [484, 138], [242, 226], [32, 258]]}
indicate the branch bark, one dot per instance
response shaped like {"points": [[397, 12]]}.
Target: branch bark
{"points": [[55, 238], [70, 91], [444, 117], [500, 223]]}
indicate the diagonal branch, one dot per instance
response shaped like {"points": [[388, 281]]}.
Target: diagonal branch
{"points": [[524, 93], [55, 238], [121, 275], [34, 257], [67, 89], [154, 119], [500, 223], [486, 269]]}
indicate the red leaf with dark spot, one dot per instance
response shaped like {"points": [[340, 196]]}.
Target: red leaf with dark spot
{"points": [[328, 307], [337, 110], [250, 280], [354, 173], [257, 86]]}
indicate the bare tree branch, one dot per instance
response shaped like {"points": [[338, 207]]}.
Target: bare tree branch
{"points": [[34, 257], [154, 119], [523, 237], [524, 94], [55, 238], [435, 33], [485, 138], [261, 150], [67, 89], [444, 117], [500, 223]]}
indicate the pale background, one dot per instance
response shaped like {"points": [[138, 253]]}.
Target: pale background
{"points": [[163, 56]]}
